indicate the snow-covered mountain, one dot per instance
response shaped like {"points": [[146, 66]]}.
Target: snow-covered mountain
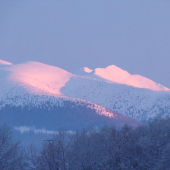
{"points": [[104, 91], [31, 96]]}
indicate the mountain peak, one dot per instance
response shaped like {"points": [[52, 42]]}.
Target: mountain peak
{"points": [[115, 74], [2, 62]]}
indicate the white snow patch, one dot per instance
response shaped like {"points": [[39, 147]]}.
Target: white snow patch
{"points": [[26, 129], [87, 70]]}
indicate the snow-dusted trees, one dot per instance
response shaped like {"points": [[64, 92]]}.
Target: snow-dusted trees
{"points": [[54, 154], [11, 154], [146, 147], [89, 150]]}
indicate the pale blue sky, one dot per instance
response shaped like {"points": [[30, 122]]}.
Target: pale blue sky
{"points": [[133, 35]]}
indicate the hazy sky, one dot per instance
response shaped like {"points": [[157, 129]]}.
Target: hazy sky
{"points": [[133, 35]]}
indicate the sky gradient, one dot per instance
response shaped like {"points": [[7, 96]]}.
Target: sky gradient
{"points": [[133, 35]]}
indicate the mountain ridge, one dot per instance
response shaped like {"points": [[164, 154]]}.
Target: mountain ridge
{"points": [[117, 75], [36, 78]]}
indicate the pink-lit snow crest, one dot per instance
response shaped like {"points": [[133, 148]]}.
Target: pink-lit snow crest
{"points": [[38, 78], [117, 75], [2, 62]]}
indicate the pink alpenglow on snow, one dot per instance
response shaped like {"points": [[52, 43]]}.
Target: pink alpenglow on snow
{"points": [[2, 62], [41, 78], [87, 70], [37, 77], [117, 75]]}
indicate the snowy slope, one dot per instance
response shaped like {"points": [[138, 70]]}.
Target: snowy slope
{"points": [[37, 77], [138, 103]]}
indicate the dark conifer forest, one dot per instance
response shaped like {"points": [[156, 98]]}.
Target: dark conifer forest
{"points": [[146, 147]]}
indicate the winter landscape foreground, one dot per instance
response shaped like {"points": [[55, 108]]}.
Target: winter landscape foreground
{"points": [[104, 118]]}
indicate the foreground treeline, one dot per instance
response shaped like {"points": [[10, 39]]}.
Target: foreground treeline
{"points": [[143, 148]]}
